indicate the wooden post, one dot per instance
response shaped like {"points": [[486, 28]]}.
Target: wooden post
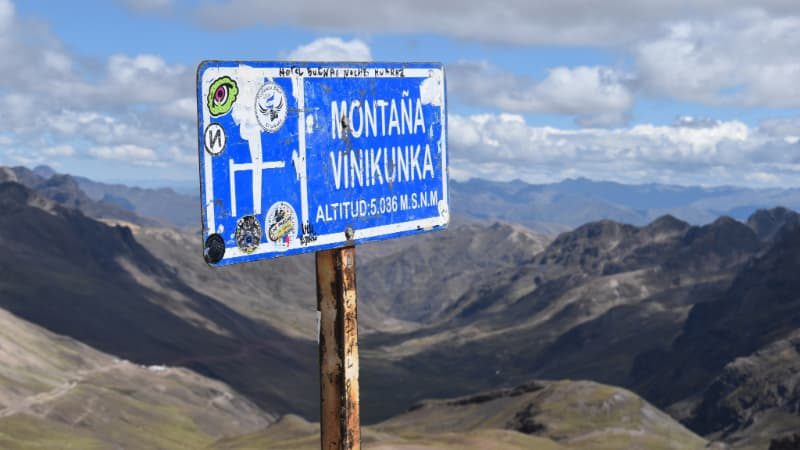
{"points": [[338, 349]]}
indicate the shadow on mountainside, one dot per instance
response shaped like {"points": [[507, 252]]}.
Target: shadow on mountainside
{"points": [[97, 284]]}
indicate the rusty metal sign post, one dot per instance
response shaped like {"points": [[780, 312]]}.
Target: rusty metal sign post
{"points": [[318, 157], [338, 349]]}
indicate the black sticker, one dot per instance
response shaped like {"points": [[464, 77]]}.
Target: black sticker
{"points": [[215, 249]]}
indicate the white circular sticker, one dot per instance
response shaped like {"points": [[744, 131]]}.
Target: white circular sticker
{"points": [[271, 107], [215, 139], [281, 225]]}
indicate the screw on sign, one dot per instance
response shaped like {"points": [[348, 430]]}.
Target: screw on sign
{"points": [[296, 158]]}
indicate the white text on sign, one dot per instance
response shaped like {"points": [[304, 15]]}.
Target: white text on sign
{"points": [[376, 166]]}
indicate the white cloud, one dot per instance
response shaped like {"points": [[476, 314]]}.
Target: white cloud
{"points": [[55, 103], [181, 156], [149, 6], [6, 14], [57, 61], [332, 49], [143, 78], [504, 147], [59, 150], [748, 58], [711, 51], [788, 127], [533, 22], [22, 159], [140, 109], [127, 152], [763, 178], [596, 96], [183, 108]]}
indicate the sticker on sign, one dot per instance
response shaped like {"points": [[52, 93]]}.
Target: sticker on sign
{"points": [[301, 157]]}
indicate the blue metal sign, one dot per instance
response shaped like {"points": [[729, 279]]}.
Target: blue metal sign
{"points": [[300, 157]]}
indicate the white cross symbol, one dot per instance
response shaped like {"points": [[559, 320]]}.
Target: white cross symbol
{"points": [[257, 166]]}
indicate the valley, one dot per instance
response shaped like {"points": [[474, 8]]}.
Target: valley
{"points": [[487, 306]]}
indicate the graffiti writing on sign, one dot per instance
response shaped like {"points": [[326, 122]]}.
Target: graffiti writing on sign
{"points": [[308, 234]]}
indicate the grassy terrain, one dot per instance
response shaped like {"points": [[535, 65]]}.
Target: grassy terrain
{"points": [[293, 433], [57, 393], [542, 415], [27, 432]]}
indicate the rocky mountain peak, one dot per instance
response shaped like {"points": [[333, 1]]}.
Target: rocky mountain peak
{"points": [[14, 196], [587, 245], [753, 389], [722, 235], [6, 174], [767, 222], [667, 224], [44, 171], [604, 233], [21, 175], [64, 190]]}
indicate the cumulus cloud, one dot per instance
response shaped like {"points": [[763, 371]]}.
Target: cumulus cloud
{"points": [[126, 152], [183, 108], [140, 109], [534, 22], [596, 96], [59, 150], [57, 105], [748, 58], [332, 49], [504, 147], [732, 52], [789, 127], [144, 78]]}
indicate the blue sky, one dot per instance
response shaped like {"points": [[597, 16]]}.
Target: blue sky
{"points": [[628, 91]]}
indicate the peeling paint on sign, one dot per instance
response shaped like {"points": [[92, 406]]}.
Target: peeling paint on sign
{"points": [[319, 155]]}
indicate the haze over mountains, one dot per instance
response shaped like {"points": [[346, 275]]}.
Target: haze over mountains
{"points": [[547, 208], [573, 202], [700, 320]]}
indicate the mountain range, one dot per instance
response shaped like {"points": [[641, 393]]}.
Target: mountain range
{"points": [[573, 202], [699, 320], [59, 393], [546, 208]]}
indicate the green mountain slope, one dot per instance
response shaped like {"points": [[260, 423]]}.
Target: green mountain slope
{"points": [[58, 393], [541, 415]]}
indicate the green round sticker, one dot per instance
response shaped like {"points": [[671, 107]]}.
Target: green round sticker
{"points": [[221, 95]]}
